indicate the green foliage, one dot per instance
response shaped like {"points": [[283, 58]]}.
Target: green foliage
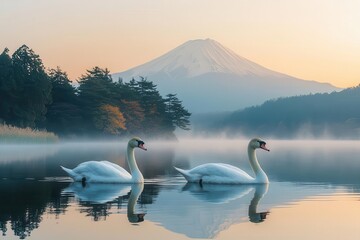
{"points": [[178, 115], [96, 89], [153, 105], [143, 108], [7, 87], [33, 88], [31, 97], [63, 115]]}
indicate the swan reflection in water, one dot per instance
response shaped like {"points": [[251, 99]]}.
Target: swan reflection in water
{"points": [[97, 193], [205, 211], [222, 194], [254, 216], [229, 204], [136, 190]]}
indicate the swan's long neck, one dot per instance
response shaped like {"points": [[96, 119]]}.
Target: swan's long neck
{"points": [[134, 170], [260, 175]]}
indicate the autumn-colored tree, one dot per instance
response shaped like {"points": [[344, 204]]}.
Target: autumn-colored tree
{"points": [[110, 120], [134, 115]]}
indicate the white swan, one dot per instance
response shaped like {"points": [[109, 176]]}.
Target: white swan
{"points": [[227, 174], [107, 172]]}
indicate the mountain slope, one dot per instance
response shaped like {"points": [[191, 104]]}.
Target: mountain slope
{"points": [[209, 77], [319, 115]]}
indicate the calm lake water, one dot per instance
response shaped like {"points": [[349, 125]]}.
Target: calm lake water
{"points": [[314, 193]]}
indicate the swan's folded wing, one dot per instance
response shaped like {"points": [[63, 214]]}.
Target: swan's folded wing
{"points": [[117, 167], [221, 173], [104, 171]]}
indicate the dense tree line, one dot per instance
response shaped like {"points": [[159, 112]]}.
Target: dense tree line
{"points": [[334, 114], [30, 96]]}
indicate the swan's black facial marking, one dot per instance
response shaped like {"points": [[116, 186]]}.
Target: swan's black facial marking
{"points": [[141, 144], [263, 145]]}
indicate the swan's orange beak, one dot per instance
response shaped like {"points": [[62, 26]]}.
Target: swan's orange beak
{"points": [[142, 147], [262, 146]]}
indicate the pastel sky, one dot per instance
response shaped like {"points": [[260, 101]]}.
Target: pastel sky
{"points": [[310, 39]]}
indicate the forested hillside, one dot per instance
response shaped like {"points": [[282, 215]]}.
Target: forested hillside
{"points": [[31, 96], [319, 115]]}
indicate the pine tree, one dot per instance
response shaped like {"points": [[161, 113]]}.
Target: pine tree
{"points": [[7, 87], [96, 87], [62, 89], [156, 122], [178, 115], [95, 90], [63, 115], [33, 88]]}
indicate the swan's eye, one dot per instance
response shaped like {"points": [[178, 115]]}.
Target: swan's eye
{"points": [[140, 143]]}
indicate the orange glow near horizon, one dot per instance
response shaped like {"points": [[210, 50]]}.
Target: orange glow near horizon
{"points": [[323, 217], [312, 40]]}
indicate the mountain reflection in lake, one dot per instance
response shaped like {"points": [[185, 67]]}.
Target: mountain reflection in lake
{"points": [[39, 202]]}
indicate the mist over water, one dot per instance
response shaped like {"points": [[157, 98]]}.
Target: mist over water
{"points": [[289, 160], [301, 172]]}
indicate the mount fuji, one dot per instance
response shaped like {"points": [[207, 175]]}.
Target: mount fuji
{"points": [[209, 77]]}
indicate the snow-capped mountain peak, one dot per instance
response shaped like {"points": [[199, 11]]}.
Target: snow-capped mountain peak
{"points": [[196, 57]]}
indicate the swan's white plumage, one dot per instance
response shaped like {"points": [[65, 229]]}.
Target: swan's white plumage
{"points": [[99, 171], [107, 172], [216, 173], [227, 174]]}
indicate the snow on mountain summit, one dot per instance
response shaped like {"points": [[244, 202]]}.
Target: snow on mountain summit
{"points": [[196, 57]]}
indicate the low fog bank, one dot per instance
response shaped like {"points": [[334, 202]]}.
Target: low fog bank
{"points": [[205, 126], [306, 160], [184, 138]]}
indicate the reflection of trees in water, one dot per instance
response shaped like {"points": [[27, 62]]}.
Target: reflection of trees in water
{"points": [[149, 193], [96, 211], [23, 203], [100, 211], [23, 224]]}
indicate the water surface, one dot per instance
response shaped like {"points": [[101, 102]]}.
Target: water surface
{"points": [[314, 193]]}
